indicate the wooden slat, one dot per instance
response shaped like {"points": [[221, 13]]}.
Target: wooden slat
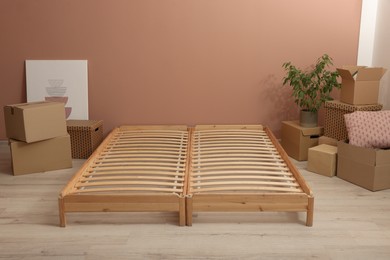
{"points": [[245, 160], [121, 150], [240, 177], [160, 128], [168, 133], [127, 183], [157, 141], [230, 171], [167, 147], [139, 159], [248, 183], [127, 177], [134, 172], [157, 168], [145, 149], [263, 152], [205, 165], [233, 144], [241, 148], [233, 136], [246, 188], [142, 133], [151, 152], [235, 155], [118, 189], [146, 165], [200, 128], [133, 189], [238, 168], [228, 132], [133, 159]]}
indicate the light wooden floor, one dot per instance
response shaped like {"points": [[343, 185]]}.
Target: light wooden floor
{"points": [[349, 223]]}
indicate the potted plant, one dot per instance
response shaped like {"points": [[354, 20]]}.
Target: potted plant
{"points": [[311, 88]]}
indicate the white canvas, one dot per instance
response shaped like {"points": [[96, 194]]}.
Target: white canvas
{"points": [[62, 81]]}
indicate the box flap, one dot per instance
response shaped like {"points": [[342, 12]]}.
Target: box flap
{"points": [[370, 74], [34, 104], [346, 74], [353, 68]]}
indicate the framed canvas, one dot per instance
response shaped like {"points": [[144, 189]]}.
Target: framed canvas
{"points": [[61, 81]]}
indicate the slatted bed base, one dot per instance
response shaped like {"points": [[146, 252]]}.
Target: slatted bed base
{"points": [[186, 170], [243, 168], [135, 169]]}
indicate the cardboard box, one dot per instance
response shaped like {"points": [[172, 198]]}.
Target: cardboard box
{"points": [[327, 140], [296, 140], [85, 136], [36, 121], [360, 85], [334, 126], [365, 167], [322, 159], [41, 156]]}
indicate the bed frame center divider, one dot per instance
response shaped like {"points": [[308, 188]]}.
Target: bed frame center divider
{"points": [[179, 169]]}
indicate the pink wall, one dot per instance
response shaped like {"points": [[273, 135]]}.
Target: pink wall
{"points": [[178, 61]]}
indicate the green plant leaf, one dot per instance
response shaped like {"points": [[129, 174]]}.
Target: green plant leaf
{"points": [[311, 88]]}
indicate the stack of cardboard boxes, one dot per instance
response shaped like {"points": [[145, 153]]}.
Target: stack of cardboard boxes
{"points": [[365, 167], [359, 92], [38, 137], [330, 154]]}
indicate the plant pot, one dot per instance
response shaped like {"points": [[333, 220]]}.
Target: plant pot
{"points": [[308, 118]]}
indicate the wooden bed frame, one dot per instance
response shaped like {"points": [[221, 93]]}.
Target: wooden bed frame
{"points": [[186, 170], [135, 169], [243, 168]]}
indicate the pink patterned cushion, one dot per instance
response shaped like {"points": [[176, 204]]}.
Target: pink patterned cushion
{"points": [[370, 129]]}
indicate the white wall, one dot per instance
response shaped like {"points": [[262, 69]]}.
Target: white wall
{"points": [[381, 50], [367, 32], [374, 42]]}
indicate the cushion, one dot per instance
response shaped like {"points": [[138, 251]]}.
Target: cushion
{"points": [[370, 129]]}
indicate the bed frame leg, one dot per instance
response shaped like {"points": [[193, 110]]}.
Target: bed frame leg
{"points": [[61, 208], [189, 211], [310, 212], [182, 211]]}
